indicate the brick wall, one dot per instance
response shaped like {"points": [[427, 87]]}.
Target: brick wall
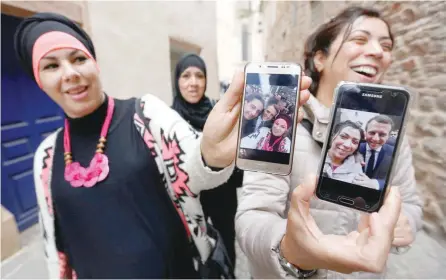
{"points": [[419, 63]]}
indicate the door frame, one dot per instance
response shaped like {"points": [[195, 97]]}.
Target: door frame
{"points": [[74, 10]]}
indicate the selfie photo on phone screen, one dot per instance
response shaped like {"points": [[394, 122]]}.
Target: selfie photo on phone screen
{"points": [[268, 114], [362, 144], [268, 118]]}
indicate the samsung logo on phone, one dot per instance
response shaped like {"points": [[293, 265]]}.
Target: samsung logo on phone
{"points": [[372, 95]]}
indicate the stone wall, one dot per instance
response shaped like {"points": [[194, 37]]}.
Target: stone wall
{"points": [[133, 41], [419, 63]]}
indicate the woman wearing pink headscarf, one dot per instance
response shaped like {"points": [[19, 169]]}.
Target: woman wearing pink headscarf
{"points": [[271, 139]]}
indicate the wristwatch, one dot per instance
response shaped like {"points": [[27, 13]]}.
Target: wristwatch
{"points": [[400, 250], [290, 268]]}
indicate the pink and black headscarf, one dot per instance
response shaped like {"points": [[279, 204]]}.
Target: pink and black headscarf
{"points": [[286, 118], [44, 32]]}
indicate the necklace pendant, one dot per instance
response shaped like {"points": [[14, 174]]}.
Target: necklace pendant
{"points": [[98, 170], [79, 176]]}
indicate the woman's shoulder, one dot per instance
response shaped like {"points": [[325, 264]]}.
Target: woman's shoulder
{"points": [[152, 99], [264, 130], [45, 148], [355, 166], [154, 107], [49, 141], [261, 132]]}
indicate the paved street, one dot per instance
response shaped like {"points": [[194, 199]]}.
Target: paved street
{"points": [[29, 262], [426, 260]]}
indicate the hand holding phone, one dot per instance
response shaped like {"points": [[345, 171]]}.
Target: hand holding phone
{"points": [[363, 137], [366, 249], [403, 233], [269, 115], [220, 133]]}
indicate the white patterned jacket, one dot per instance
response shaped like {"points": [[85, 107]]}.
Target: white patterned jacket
{"points": [[176, 149]]}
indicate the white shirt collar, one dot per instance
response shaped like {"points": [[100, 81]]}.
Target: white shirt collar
{"points": [[377, 150]]}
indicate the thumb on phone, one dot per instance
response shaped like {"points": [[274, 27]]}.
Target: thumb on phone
{"points": [[235, 91], [390, 211]]}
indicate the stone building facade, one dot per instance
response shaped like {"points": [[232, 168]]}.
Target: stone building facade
{"points": [[419, 63], [239, 35]]}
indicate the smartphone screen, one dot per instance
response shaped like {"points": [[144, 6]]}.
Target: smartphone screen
{"points": [[361, 145], [268, 120]]}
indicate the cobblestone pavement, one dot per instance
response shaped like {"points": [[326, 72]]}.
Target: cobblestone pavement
{"points": [[426, 259], [29, 262]]}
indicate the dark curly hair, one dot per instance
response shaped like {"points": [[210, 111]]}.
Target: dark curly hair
{"points": [[323, 37], [340, 126]]}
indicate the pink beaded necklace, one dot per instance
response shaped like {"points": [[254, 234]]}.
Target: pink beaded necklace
{"points": [[98, 170]]}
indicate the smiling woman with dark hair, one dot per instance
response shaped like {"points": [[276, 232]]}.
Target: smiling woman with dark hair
{"points": [[272, 139], [280, 228], [340, 163]]}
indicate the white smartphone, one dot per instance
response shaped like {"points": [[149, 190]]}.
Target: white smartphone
{"points": [[268, 118]]}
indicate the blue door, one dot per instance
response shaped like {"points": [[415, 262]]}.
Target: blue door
{"points": [[28, 116]]}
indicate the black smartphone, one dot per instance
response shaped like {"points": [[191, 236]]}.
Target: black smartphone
{"points": [[366, 128]]}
